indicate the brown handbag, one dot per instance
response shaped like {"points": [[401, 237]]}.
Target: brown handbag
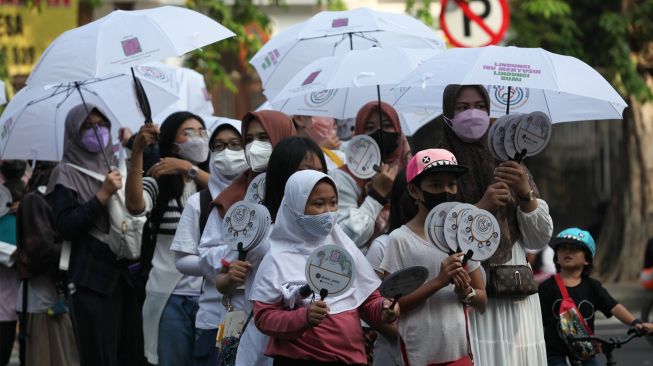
{"points": [[511, 281]]}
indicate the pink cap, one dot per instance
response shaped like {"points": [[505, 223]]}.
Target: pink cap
{"points": [[433, 160]]}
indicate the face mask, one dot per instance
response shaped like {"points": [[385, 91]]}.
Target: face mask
{"points": [[390, 141], [195, 149], [90, 141], [318, 226], [433, 199], [258, 154], [470, 125], [230, 162]]}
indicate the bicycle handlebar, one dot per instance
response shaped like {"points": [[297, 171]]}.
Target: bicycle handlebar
{"points": [[616, 342]]}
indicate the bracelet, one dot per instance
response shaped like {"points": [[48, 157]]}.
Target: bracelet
{"points": [[224, 262], [636, 321], [134, 171], [377, 196], [530, 196], [470, 297]]}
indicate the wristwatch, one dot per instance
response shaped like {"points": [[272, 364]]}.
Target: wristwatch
{"points": [[470, 297], [192, 172], [530, 196]]}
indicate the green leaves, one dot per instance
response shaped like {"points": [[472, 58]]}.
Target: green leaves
{"points": [[226, 61], [610, 35]]}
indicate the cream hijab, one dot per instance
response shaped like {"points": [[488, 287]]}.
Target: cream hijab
{"points": [[290, 248]]}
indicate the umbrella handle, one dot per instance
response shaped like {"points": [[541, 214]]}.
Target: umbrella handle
{"points": [[378, 97], [242, 254]]}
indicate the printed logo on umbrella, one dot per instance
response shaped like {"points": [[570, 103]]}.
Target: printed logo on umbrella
{"points": [[340, 22], [151, 72], [311, 78], [320, 98], [131, 46], [499, 96]]}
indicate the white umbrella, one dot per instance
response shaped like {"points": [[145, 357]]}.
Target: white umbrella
{"points": [[124, 39], [332, 33], [187, 84], [339, 86], [32, 125], [3, 93], [519, 80]]}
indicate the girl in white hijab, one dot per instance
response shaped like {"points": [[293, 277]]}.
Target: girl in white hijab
{"points": [[314, 332]]}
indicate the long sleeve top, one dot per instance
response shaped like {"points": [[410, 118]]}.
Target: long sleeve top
{"points": [[356, 220], [92, 264], [338, 338]]}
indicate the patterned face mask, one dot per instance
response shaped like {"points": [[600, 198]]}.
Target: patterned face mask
{"points": [[318, 226]]}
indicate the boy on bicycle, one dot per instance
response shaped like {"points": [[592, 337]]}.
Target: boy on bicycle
{"points": [[574, 250]]}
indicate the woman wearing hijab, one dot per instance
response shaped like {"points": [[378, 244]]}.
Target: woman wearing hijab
{"points": [[317, 332], [104, 301], [510, 331], [171, 297], [262, 131], [363, 203], [227, 162]]}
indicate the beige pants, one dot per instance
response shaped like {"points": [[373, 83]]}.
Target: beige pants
{"points": [[50, 341]]}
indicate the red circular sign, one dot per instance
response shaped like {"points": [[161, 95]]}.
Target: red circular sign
{"points": [[471, 17]]}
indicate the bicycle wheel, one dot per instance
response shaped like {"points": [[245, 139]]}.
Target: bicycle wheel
{"points": [[647, 316]]}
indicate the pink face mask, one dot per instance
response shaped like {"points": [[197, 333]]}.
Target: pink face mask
{"points": [[319, 128], [470, 125]]}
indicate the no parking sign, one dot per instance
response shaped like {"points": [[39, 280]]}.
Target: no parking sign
{"points": [[474, 23]]}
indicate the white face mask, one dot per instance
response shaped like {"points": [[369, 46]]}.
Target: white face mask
{"points": [[258, 154], [230, 162], [195, 149]]}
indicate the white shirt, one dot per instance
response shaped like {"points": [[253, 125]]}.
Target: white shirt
{"points": [[434, 331], [187, 237]]}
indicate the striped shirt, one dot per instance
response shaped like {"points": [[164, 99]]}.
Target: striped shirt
{"points": [[172, 214]]}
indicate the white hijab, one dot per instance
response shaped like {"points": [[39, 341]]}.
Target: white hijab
{"points": [[217, 181], [289, 250]]}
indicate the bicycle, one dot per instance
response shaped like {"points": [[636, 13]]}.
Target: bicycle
{"points": [[607, 345], [647, 317]]}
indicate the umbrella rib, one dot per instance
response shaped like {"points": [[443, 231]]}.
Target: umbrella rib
{"points": [[546, 101]]}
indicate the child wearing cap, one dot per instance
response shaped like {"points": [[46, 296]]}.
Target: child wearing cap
{"points": [[574, 250], [432, 326]]}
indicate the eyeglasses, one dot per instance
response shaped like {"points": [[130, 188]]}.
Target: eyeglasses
{"points": [[235, 145], [191, 132], [89, 124]]}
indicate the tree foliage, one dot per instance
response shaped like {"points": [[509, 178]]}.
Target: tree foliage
{"points": [[222, 62], [614, 36]]}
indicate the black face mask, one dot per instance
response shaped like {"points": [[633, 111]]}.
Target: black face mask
{"points": [[390, 141], [433, 199]]}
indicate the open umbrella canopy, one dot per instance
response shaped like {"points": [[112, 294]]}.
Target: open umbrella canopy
{"points": [[32, 125], [519, 80], [339, 86], [123, 39], [187, 84], [3, 93], [332, 33]]}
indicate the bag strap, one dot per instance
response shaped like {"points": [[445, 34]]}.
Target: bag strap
{"points": [[565, 296], [90, 173], [469, 342], [251, 313], [205, 201]]}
